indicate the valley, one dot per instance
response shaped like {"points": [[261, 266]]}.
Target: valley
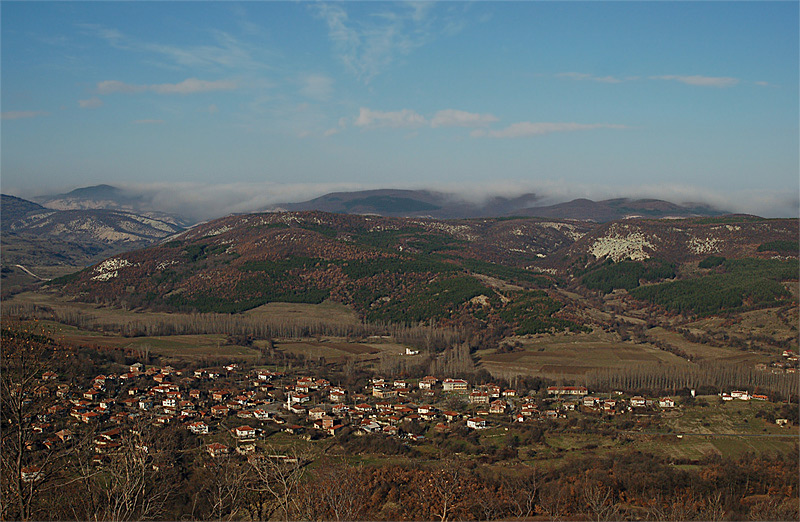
{"points": [[399, 350]]}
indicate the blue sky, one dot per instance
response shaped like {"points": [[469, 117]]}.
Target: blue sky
{"points": [[232, 106]]}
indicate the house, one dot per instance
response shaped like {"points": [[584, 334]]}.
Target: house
{"points": [[31, 473], [369, 426], [456, 385], [219, 410], [783, 422], [666, 402], [493, 390], [509, 393], [476, 423], [451, 415], [215, 449], [91, 395], [382, 392], [726, 397], [112, 434], [246, 448], [261, 414], [340, 410], [590, 402], [363, 408], [90, 416], [49, 376], [479, 397], [498, 407], [567, 390], [244, 432], [316, 413], [337, 396], [741, 395], [638, 401], [298, 398], [427, 382], [199, 428]]}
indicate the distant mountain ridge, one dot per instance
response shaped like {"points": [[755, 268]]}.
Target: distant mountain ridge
{"points": [[409, 203], [107, 197], [423, 203], [401, 203], [35, 235], [620, 208]]}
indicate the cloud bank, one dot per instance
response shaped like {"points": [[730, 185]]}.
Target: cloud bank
{"points": [[204, 201]]}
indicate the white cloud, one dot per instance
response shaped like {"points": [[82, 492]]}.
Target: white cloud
{"points": [[18, 115], [404, 118], [456, 118], [700, 81], [527, 128], [371, 44], [91, 103], [188, 86], [589, 77], [148, 122], [317, 86], [226, 52]]}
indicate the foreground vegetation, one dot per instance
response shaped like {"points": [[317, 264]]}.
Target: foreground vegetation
{"points": [[582, 465]]}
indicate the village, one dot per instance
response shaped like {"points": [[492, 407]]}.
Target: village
{"points": [[232, 408]]}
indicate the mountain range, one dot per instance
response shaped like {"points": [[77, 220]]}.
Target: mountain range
{"points": [[410, 269], [33, 235]]}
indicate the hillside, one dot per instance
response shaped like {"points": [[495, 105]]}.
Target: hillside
{"points": [[494, 273], [33, 235]]}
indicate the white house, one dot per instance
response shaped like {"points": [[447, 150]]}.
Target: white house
{"points": [[476, 423]]}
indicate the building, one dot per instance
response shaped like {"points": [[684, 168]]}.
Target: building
{"points": [[458, 385]]}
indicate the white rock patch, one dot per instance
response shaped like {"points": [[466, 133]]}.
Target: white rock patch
{"points": [[109, 268], [703, 245], [621, 246]]}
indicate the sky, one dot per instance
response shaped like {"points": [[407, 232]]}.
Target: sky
{"points": [[234, 105]]}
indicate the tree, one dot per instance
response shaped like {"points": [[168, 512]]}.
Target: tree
{"points": [[276, 479], [25, 473]]}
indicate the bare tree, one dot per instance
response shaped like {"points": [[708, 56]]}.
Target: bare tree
{"points": [[335, 492], [132, 483], [276, 478], [227, 487], [445, 484], [523, 491], [24, 357], [600, 502]]}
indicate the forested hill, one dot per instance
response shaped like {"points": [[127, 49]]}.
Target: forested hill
{"points": [[498, 273]]}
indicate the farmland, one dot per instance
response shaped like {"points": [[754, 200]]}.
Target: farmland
{"points": [[571, 355]]}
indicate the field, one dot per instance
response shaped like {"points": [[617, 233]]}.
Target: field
{"points": [[338, 350], [704, 352], [573, 354]]}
